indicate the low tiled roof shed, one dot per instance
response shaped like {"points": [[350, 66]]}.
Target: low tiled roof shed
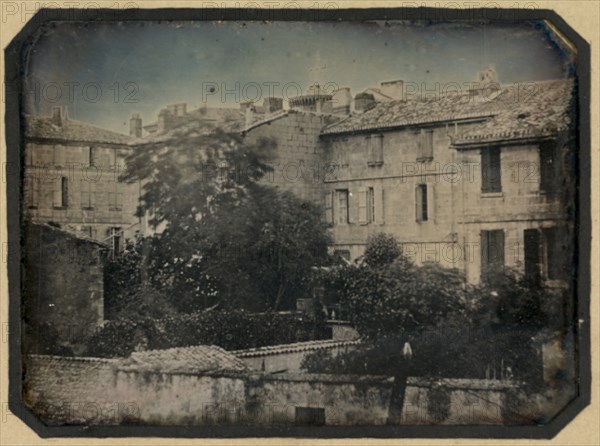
{"points": [[196, 359]]}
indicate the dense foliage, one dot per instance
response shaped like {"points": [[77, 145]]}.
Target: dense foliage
{"points": [[453, 329], [228, 329]]}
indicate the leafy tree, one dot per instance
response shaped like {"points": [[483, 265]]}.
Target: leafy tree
{"points": [[226, 238]]}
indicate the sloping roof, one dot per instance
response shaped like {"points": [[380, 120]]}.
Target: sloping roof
{"points": [[551, 98], [200, 358], [544, 111], [42, 127], [292, 348], [202, 121]]}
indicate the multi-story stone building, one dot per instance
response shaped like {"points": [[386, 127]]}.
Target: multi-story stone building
{"points": [[72, 178], [474, 181]]}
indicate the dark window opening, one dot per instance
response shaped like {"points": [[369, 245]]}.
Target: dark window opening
{"points": [[491, 180], [550, 169], [492, 253], [64, 191], [342, 206], [425, 145], [422, 207]]}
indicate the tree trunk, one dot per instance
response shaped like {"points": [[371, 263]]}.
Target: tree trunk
{"points": [[397, 398]]}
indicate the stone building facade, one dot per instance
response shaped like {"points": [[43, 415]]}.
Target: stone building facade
{"points": [[474, 182], [72, 178]]}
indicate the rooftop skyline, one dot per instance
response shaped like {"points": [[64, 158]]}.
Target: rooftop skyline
{"points": [[104, 72]]}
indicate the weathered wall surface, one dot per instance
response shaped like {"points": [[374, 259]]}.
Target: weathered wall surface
{"points": [[63, 277], [97, 200], [98, 391], [297, 161]]}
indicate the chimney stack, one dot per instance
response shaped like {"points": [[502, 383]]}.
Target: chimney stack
{"points": [[135, 125], [341, 100], [363, 102], [57, 116], [393, 89], [178, 109]]}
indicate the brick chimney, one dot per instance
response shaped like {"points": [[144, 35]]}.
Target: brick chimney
{"points": [[135, 125], [393, 89], [57, 116], [272, 105], [341, 100], [363, 102], [165, 119]]}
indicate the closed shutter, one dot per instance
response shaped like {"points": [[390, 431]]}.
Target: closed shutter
{"points": [[362, 206], [328, 205], [431, 202], [379, 207], [59, 155]]}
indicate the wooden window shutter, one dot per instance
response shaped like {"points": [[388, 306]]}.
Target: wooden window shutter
{"points": [[431, 202], [328, 207], [379, 206], [418, 203], [362, 206]]}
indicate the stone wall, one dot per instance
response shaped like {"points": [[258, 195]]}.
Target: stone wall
{"points": [[94, 391], [63, 286]]}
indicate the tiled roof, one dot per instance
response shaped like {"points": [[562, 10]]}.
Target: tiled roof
{"points": [[546, 101], [292, 348], [544, 112], [203, 121], [200, 358], [42, 127]]}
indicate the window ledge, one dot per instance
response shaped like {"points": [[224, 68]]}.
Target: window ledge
{"points": [[114, 209], [88, 208], [425, 159], [60, 208], [492, 194], [374, 163]]}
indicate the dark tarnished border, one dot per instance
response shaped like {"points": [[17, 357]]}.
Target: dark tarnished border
{"points": [[13, 75]]}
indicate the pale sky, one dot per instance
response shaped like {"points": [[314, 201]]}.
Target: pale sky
{"points": [[143, 66]]}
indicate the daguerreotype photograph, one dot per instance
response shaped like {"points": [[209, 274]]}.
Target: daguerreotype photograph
{"points": [[286, 224]]}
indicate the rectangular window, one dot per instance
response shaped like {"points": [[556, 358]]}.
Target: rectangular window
{"points": [[550, 169], [115, 200], [532, 244], [421, 203], [375, 147], [328, 205], [310, 416], [342, 206], [370, 205], [59, 155], [556, 255], [32, 187], [61, 192], [490, 170], [88, 194], [64, 187], [116, 241], [492, 252], [425, 145], [92, 156]]}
